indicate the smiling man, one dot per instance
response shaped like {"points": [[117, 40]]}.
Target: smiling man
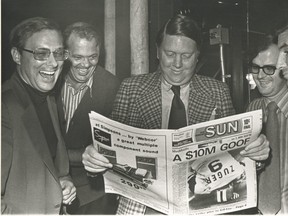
{"points": [[86, 87], [272, 85], [174, 96], [34, 161]]}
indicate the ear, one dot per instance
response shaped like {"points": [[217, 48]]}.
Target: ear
{"points": [[16, 55]]}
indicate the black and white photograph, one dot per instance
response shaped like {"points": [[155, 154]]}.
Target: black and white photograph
{"points": [[148, 64]]}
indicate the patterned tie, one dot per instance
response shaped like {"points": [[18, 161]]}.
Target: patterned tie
{"points": [[177, 117], [269, 180]]}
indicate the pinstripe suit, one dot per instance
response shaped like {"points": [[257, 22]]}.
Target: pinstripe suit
{"points": [[282, 114], [139, 103]]}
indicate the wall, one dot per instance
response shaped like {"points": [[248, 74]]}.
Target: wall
{"points": [[256, 16]]}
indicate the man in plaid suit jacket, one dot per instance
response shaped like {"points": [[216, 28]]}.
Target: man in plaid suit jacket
{"points": [[145, 101], [138, 102]]}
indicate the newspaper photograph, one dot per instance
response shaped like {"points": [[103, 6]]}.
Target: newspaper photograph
{"points": [[193, 170]]}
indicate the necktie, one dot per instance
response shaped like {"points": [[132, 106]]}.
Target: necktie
{"points": [[269, 201], [177, 117]]}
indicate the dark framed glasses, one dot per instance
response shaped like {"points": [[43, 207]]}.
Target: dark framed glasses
{"points": [[42, 54], [267, 69]]}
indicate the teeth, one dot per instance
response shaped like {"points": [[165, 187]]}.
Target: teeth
{"points": [[82, 70], [50, 73]]}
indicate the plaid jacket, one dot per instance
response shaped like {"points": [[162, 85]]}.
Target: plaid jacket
{"points": [[138, 104]]}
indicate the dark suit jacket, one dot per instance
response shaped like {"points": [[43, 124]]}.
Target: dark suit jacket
{"points": [[78, 136], [29, 178], [138, 102]]}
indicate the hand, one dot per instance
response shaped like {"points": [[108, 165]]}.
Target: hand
{"points": [[68, 191], [257, 150], [93, 161]]}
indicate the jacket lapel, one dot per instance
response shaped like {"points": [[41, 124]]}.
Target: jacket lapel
{"points": [[32, 124], [61, 156], [60, 112], [34, 129], [150, 103], [200, 105]]}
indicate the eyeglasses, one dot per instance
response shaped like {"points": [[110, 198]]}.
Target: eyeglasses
{"points": [[267, 69], [42, 54]]}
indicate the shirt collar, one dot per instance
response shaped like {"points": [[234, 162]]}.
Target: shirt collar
{"points": [[88, 84], [167, 86], [281, 101]]}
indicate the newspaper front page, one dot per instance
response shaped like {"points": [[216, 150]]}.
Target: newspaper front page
{"points": [[195, 170]]}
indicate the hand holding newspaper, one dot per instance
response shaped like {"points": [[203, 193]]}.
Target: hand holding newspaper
{"points": [[193, 170]]}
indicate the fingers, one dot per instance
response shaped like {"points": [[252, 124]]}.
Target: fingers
{"points": [[256, 144], [258, 149], [94, 161], [69, 193]]}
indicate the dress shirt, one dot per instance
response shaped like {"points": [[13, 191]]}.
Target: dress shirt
{"points": [[71, 98]]}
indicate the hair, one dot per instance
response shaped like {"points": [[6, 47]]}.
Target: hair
{"points": [[24, 30], [280, 30], [182, 25], [261, 44], [82, 30]]}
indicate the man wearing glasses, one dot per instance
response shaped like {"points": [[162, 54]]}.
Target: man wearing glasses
{"points": [[273, 87], [34, 162], [85, 87]]}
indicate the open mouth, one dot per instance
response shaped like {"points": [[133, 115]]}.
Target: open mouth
{"points": [[82, 71], [47, 74]]}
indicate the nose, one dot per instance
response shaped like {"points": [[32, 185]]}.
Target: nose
{"points": [[52, 61], [261, 73], [85, 62], [178, 61]]}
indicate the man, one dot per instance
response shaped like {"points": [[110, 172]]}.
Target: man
{"points": [[282, 37], [87, 86], [273, 88], [145, 101], [34, 162]]}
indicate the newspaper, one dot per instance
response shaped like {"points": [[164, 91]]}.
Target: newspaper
{"points": [[194, 170]]}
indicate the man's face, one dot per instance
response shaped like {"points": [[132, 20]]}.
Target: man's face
{"points": [[178, 58], [283, 46], [268, 85], [41, 75], [84, 56]]}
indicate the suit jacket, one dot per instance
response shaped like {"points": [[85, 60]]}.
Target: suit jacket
{"points": [[138, 102], [78, 136], [29, 177]]}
